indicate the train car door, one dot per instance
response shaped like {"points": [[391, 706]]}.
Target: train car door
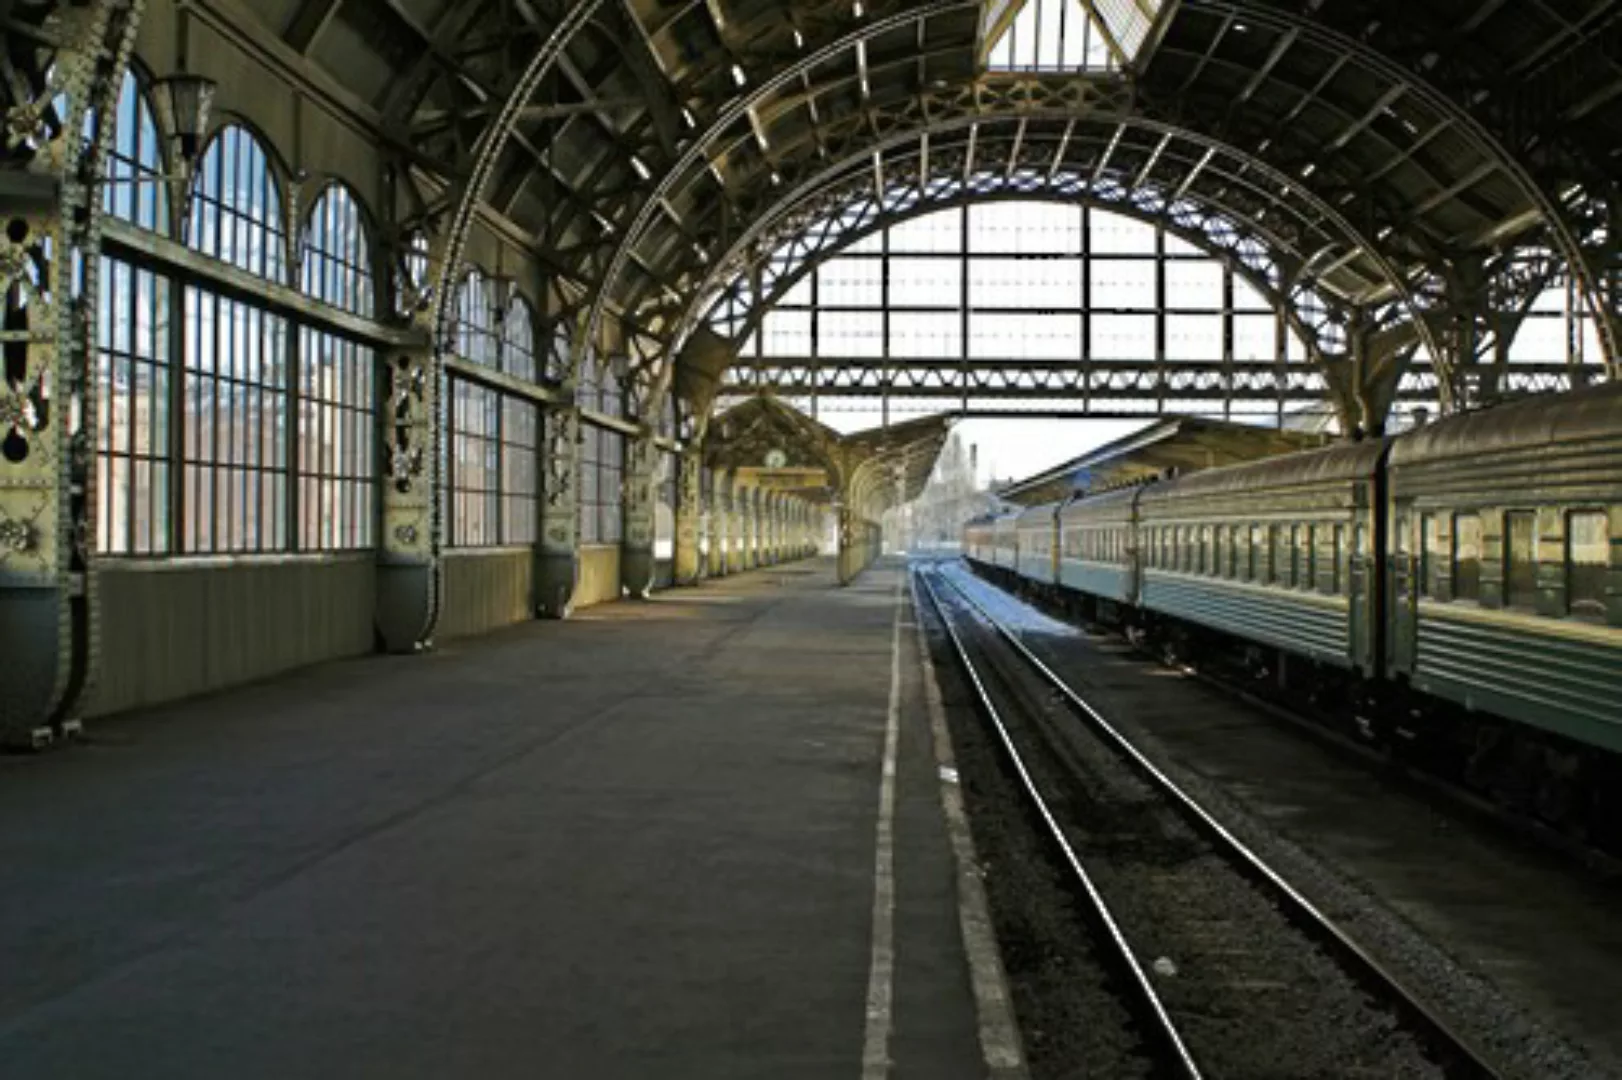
{"points": [[1357, 593], [1404, 591]]}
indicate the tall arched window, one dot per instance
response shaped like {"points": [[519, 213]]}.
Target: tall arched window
{"points": [[235, 420], [132, 352], [337, 383], [492, 479], [602, 456], [135, 163], [518, 340], [475, 321]]}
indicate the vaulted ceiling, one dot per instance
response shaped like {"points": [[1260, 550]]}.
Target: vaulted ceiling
{"points": [[1395, 156]]}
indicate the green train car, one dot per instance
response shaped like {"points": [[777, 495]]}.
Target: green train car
{"points": [[1456, 589]]}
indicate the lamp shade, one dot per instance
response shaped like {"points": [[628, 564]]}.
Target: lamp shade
{"points": [[185, 101]]}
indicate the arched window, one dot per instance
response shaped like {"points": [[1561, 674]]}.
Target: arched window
{"points": [[337, 384], [602, 457], [134, 312], [518, 340], [337, 265], [475, 322], [236, 208], [135, 193], [235, 422], [493, 476]]}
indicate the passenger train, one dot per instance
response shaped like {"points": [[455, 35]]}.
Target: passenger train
{"points": [[1454, 592]]}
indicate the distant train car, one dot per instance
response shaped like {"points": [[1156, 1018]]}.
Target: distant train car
{"points": [[1505, 586], [1005, 542], [1038, 544], [1277, 552], [1457, 589], [978, 540], [1098, 546]]}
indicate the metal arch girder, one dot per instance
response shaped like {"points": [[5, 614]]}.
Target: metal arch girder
{"points": [[835, 242], [1353, 235], [736, 110], [683, 169], [894, 129], [1240, 218], [1489, 144]]}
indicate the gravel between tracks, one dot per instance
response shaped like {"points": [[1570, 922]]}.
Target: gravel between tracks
{"points": [[1252, 996], [1521, 1045], [1069, 1010]]}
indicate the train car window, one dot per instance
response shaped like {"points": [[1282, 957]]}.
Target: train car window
{"points": [[1260, 548], [1219, 545], [1467, 557], [1294, 571], [1430, 554], [1521, 560], [1588, 563]]}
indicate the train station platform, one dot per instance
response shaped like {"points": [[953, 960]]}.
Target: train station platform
{"points": [[654, 841]]}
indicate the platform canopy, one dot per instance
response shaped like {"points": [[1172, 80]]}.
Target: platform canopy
{"points": [[1182, 444], [765, 439]]}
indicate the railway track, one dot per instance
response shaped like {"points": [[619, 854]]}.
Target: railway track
{"points": [[1224, 968]]}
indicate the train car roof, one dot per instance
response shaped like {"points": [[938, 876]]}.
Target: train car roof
{"points": [[1043, 512], [1593, 412], [1342, 463], [1105, 500]]}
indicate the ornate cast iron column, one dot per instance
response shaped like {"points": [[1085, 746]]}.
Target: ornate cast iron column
{"points": [[689, 518], [556, 568], [408, 556], [50, 238], [636, 549]]}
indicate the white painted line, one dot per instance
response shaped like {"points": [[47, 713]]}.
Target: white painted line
{"points": [[999, 1031], [881, 967]]}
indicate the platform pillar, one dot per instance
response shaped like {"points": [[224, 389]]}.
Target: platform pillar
{"points": [[637, 561], [556, 568], [689, 519]]}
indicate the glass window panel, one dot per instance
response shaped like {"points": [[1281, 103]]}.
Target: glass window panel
{"points": [[1033, 228], [786, 333], [851, 282], [1024, 337], [938, 232], [1194, 337], [1123, 337], [1125, 284], [1113, 234], [1588, 563], [931, 283], [850, 334], [1025, 283], [1194, 284], [920, 335]]}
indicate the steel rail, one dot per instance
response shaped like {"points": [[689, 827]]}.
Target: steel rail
{"points": [[1459, 1056], [1148, 1004]]}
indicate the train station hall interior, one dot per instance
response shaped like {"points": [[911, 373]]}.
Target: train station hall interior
{"points": [[482, 484]]}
